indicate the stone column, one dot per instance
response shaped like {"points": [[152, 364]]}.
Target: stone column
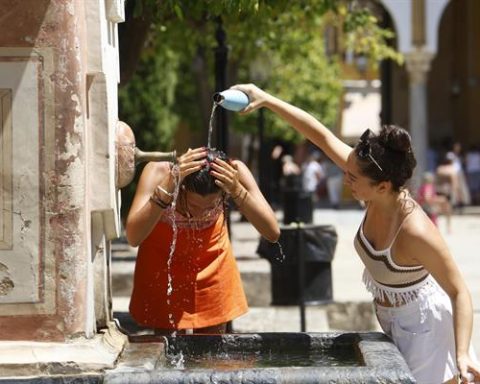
{"points": [[418, 65], [58, 110]]}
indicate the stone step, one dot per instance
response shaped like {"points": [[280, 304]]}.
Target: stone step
{"points": [[348, 316]]}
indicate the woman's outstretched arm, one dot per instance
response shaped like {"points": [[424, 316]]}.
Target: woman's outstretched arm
{"points": [[302, 121]]}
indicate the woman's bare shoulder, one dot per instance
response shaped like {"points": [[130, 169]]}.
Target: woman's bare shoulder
{"points": [[156, 170], [418, 228], [157, 166]]}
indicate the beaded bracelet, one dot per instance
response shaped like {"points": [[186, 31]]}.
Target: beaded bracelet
{"points": [[159, 202]]}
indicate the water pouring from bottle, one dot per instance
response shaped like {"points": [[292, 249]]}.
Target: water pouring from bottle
{"points": [[230, 99]]}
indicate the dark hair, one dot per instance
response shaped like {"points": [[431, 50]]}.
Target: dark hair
{"points": [[201, 181], [392, 150]]}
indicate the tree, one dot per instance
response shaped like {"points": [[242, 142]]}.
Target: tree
{"points": [[166, 60], [174, 79]]}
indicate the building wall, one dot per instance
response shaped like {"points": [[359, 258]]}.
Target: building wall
{"points": [[453, 81]]}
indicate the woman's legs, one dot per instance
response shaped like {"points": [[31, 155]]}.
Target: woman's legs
{"points": [[444, 208], [220, 328]]}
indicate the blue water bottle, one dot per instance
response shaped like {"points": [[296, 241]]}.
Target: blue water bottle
{"points": [[231, 99]]}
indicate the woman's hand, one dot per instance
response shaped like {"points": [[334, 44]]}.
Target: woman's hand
{"points": [[469, 371], [191, 161], [227, 177], [257, 97]]}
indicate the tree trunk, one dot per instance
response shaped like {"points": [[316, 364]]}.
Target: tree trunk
{"points": [[132, 36]]}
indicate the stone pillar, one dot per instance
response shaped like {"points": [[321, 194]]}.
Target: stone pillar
{"points": [[58, 110], [418, 65]]}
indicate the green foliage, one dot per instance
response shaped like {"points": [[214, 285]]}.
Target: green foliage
{"points": [[146, 102], [283, 37], [363, 35]]}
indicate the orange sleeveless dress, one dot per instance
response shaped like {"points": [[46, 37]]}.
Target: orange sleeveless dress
{"points": [[205, 281]]}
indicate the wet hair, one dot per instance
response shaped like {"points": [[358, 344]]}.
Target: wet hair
{"points": [[202, 182], [392, 151]]}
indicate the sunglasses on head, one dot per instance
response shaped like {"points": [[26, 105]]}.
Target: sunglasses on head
{"points": [[364, 149]]}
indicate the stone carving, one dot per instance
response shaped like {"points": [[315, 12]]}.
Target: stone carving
{"points": [[6, 283]]}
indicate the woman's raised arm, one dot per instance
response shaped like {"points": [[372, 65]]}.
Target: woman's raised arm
{"points": [[302, 121]]}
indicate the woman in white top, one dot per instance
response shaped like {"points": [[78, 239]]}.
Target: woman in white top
{"points": [[420, 295]]}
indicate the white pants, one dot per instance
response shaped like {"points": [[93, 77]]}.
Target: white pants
{"points": [[423, 332]]}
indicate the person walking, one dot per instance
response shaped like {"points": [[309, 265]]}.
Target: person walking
{"points": [[312, 175], [432, 203], [420, 296], [186, 278], [334, 176], [472, 169]]}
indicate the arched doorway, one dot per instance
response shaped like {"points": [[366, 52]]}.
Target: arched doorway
{"points": [[454, 80]]}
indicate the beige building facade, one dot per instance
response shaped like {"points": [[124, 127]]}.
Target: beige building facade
{"points": [[436, 94]]}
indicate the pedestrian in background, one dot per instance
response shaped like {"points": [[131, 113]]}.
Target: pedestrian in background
{"points": [[334, 181], [472, 169], [432, 203], [312, 174]]}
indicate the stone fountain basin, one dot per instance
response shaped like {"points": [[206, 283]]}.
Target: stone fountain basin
{"points": [[368, 357]]}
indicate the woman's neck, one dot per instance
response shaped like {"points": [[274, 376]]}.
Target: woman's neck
{"points": [[391, 202]]}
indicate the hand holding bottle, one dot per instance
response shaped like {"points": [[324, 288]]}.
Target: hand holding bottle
{"points": [[257, 96]]}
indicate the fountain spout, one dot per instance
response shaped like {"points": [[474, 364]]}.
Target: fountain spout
{"points": [[128, 155], [141, 156]]}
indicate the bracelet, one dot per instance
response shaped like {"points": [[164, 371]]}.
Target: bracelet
{"points": [[169, 194], [236, 197], [159, 202], [239, 205], [244, 197]]}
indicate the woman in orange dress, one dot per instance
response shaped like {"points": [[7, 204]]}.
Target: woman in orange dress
{"points": [[185, 275]]}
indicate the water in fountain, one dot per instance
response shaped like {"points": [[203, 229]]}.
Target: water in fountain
{"points": [[231, 352], [262, 359]]}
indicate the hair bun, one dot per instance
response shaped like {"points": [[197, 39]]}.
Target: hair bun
{"points": [[396, 138]]}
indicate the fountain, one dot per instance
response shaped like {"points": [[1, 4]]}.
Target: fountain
{"points": [[60, 209], [270, 358], [253, 358]]}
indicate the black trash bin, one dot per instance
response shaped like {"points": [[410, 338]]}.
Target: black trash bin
{"points": [[315, 246]]}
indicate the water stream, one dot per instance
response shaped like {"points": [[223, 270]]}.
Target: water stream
{"points": [[177, 358], [210, 125]]}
